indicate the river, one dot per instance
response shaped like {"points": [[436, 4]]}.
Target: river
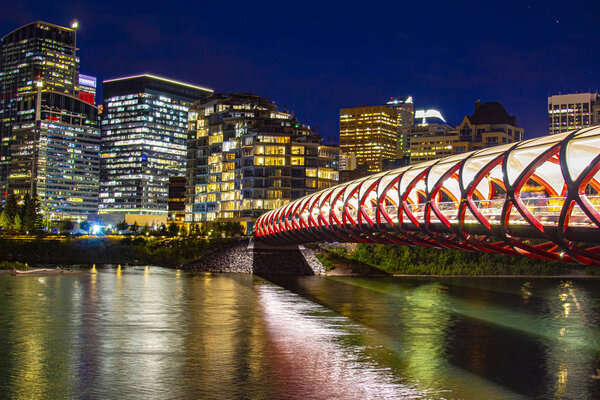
{"points": [[153, 333]]}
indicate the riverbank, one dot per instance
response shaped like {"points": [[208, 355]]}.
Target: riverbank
{"points": [[41, 272], [164, 252], [402, 261], [216, 255]]}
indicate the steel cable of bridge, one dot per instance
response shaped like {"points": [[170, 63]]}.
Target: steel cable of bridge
{"points": [[537, 198]]}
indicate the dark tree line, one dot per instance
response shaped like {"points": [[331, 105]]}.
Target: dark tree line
{"points": [[21, 217]]}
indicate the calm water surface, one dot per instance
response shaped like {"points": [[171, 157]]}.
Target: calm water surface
{"points": [[150, 333]]}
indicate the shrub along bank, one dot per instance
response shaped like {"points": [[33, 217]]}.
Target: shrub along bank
{"points": [[169, 252], [428, 261]]}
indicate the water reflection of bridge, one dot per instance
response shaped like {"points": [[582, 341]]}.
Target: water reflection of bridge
{"points": [[538, 198]]}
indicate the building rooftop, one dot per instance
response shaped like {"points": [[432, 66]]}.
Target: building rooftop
{"points": [[140, 83], [491, 113], [35, 23]]}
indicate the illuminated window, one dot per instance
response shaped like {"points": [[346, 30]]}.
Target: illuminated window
{"points": [[297, 160]]}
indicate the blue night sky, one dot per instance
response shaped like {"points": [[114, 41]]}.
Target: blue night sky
{"points": [[317, 57]]}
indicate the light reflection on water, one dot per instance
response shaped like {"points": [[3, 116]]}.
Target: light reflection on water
{"points": [[309, 356], [133, 333]]}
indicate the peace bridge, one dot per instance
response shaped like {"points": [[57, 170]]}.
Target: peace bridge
{"points": [[537, 198]]}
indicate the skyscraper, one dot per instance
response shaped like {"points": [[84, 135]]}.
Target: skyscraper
{"points": [[50, 139], [405, 108], [567, 112], [406, 118], [371, 133], [41, 53], [144, 134], [245, 157]]}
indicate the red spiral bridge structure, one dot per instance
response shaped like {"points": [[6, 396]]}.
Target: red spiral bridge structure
{"points": [[537, 198]]}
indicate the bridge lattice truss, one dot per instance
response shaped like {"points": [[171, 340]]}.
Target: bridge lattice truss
{"points": [[537, 198]]}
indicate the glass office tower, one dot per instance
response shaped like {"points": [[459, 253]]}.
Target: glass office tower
{"points": [[56, 157], [36, 56], [371, 133], [49, 138], [144, 133]]}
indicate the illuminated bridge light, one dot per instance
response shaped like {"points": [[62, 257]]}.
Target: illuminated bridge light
{"points": [[538, 198]]}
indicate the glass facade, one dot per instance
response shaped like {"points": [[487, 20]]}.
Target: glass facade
{"points": [[57, 157], [245, 156], [371, 133], [37, 52], [144, 134], [406, 119]]}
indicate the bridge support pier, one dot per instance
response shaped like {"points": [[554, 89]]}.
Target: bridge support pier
{"points": [[260, 258]]}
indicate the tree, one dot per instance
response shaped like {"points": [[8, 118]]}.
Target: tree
{"points": [[5, 221], [85, 226], [122, 225], [135, 227], [30, 215], [18, 224], [10, 212], [67, 225], [146, 229], [173, 229], [21, 208]]}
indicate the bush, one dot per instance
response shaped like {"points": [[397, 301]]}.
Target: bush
{"points": [[12, 265], [141, 250], [430, 261]]}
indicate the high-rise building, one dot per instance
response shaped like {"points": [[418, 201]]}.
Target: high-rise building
{"points": [[56, 157], [245, 157], [41, 54], [406, 118], [50, 139], [567, 112], [87, 89], [144, 134], [405, 108], [371, 133], [490, 125]]}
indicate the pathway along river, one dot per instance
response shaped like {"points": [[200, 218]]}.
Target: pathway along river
{"points": [[151, 333]]}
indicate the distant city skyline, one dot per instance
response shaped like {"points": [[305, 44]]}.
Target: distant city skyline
{"points": [[306, 59]]}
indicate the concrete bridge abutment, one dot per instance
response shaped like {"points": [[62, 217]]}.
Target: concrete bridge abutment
{"points": [[250, 256]]}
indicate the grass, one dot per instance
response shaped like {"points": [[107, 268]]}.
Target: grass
{"points": [[429, 261], [10, 265]]}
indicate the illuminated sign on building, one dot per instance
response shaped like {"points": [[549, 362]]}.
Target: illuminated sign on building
{"points": [[86, 80], [424, 114]]}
